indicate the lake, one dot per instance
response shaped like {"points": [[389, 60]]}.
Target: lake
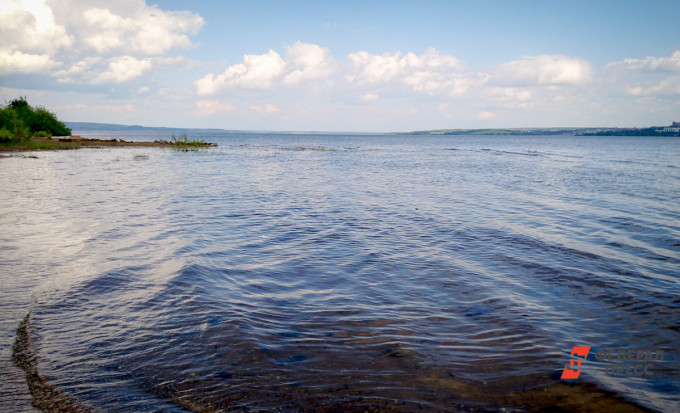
{"points": [[284, 272]]}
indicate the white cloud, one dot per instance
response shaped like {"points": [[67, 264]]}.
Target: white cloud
{"points": [[668, 86], [212, 107], [267, 109], [485, 114], [651, 64], [648, 77], [17, 62], [137, 29], [370, 68], [256, 72], [118, 69], [30, 26], [78, 70], [28, 33], [90, 41], [369, 97], [304, 62], [542, 70], [78, 109], [124, 68], [432, 72], [366, 77]]}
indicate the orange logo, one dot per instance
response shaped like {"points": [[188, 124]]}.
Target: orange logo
{"points": [[571, 373]]}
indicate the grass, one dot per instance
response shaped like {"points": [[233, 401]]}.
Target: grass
{"points": [[184, 143]]}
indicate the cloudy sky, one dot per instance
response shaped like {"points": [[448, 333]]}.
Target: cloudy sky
{"points": [[345, 65]]}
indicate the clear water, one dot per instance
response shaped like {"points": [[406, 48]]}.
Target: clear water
{"points": [[326, 273]]}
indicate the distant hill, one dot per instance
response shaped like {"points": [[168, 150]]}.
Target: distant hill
{"points": [[652, 131], [113, 127], [92, 126]]}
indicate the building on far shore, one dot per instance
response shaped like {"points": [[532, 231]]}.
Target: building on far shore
{"points": [[675, 127]]}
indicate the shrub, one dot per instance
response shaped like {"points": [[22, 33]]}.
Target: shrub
{"points": [[12, 124], [44, 120], [5, 136], [19, 121]]}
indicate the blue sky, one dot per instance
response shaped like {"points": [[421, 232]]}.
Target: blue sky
{"points": [[345, 66]]}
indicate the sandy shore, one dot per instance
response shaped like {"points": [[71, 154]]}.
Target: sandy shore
{"points": [[75, 142]]}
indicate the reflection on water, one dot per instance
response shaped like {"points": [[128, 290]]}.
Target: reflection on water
{"points": [[346, 273]]}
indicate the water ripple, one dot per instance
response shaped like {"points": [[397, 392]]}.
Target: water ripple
{"points": [[305, 273]]}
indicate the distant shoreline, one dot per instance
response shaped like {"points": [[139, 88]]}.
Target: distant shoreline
{"points": [[592, 131], [653, 131]]}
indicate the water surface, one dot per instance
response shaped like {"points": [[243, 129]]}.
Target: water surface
{"points": [[306, 272]]}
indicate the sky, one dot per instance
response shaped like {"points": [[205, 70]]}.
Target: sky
{"points": [[371, 66]]}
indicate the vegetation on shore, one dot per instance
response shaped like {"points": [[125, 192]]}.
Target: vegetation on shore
{"points": [[25, 128], [19, 122], [183, 142]]}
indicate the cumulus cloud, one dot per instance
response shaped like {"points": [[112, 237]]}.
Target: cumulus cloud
{"points": [[432, 72], [124, 68], [369, 97], [80, 108], [89, 41], [668, 86], [306, 62], [485, 114], [542, 70], [127, 27], [114, 70], [133, 27], [256, 72], [303, 62], [651, 64], [30, 27], [366, 77], [371, 68], [212, 107], [650, 76], [268, 109], [28, 34], [18, 62]]}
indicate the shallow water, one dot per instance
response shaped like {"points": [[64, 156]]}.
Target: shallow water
{"points": [[302, 272]]}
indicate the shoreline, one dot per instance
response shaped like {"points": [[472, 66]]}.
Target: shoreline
{"points": [[76, 142]]}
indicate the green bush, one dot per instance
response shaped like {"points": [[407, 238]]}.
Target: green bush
{"points": [[5, 136], [44, 120], [19, 121], [13, 125]]}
